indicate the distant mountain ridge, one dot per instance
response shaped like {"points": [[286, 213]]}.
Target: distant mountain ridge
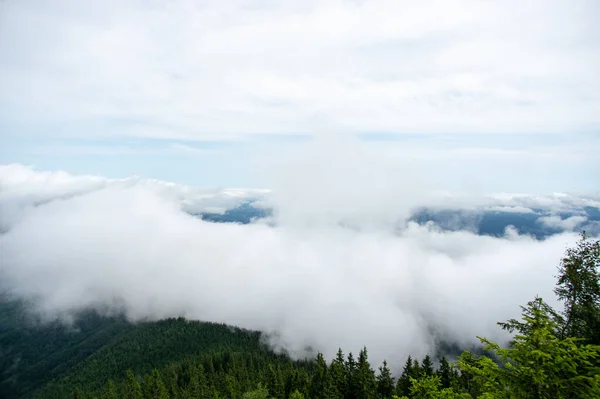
{"points": [[537, 222]]}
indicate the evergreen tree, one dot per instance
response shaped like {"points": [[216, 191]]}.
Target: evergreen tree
{"points": [[350, 372], [261, 392], [364, 384], [385, 382], [578, 286], [321, 386], [296, 395], [539, 364], [445, 373], [338, 375], [274, 383], [427, 366], [154, 387], [403, 385], [416, 369], [110, 391], [133, 389]]}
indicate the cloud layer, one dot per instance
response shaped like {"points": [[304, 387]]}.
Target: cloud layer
{"points": [[211, 70], [130, 246]]}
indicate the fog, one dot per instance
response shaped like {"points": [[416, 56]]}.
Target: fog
{"points": [[330, 272]]}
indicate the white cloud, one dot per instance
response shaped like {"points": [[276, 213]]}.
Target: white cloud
{"points": [[568, 224], [22, 188], [213, 70], [127, 244]]}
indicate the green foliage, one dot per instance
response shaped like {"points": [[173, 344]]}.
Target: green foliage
{"points": [[427, 366], [296, 395], [578, 287], [404, 381], [385, 382], [538, 364], [110, 391], [260, 392], [133, 389]]}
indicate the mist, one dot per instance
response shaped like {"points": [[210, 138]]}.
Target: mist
{"points": [[335, 269]]}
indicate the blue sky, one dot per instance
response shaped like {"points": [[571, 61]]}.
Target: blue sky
{"points": [[494, 96]]}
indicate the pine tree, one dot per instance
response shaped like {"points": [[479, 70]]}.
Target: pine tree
{"points": [[154, 387], [321, 385], [365, 385], [403, 385], [296, 395], [110, 391], [261, 392], [427, 366], [350, 372], [578, 286], [338, 375], [538, 364], [416, 370], [274, 383], [385, 382], [133, 389], [445, 373]]}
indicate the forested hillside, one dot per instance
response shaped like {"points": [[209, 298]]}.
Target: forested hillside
{"points": [[554, 354]]}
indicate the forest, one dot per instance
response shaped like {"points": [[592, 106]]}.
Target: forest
{"points": [[554, 353]]}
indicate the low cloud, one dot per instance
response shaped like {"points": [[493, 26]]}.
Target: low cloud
{"points": [[557, 222], [133, 248]]}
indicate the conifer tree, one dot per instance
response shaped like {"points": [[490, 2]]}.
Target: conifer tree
{"points": [[133, 389], [427, 366], [365, 385], [154, 387], [110, 391], [296, 395], [445, 373], [403, 384], [350, 372], [338, 375], [385, 382], [538, 364], [578, 287], [274, 383], [321, 385]]}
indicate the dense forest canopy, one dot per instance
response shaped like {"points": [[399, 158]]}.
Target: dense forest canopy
{"points": [[554, 353]]}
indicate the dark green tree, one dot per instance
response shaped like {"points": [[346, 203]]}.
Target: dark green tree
{"points": [[364, 385], [445, 373], [132, 389], [322, 384], [403, 384], [110, 391], [337, 372], [154, 387], [350, 372], [427, 366], [385, 382], [274, 383]]}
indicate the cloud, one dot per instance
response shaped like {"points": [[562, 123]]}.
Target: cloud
{"points": [[567, 224], [23, 188], [130, 246], [214, 71]]}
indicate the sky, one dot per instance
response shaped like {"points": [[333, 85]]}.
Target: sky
{"points": [[479, 95]]}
